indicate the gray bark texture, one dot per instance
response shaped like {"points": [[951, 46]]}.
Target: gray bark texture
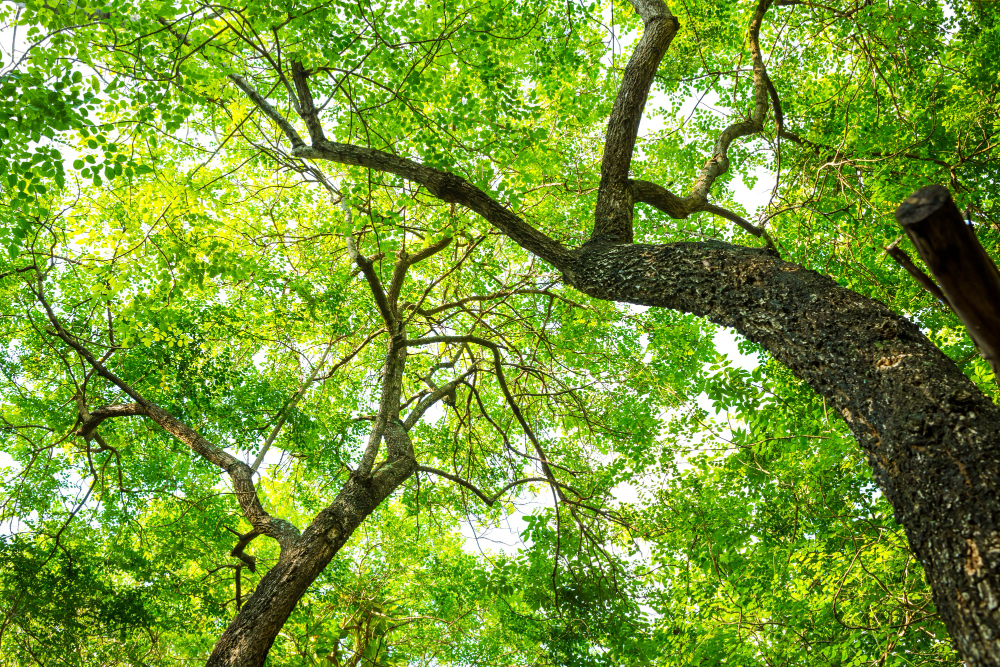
{"points": [[249, 637], [931, 437]]}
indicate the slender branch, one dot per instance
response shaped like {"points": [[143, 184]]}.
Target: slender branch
{"points": [[718, 164], [427, 312], [502, 381], [903, 259], [368, 269], [434, 397], [680, 208], [446, 187], [489, 500], [746, 225], [291, 405]]}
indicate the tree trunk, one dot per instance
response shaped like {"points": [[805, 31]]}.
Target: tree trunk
{"points": [[932, 438], [249, 637]]}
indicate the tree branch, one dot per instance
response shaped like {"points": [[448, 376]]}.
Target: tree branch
{"points": [[368, 269], [432, 398], [679, 208], [269, 111], [307, 107], [92, 420], [239, 472], [291, 404], [489, 500], [502, 381], [404, 262], [238, 550], [613, 212], [446, 187], [718, 164], [901, 258]]}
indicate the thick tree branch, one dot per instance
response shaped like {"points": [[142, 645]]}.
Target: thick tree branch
{"points": [[261, 103], [306, 106], [931, 437], [613, 212], [446, 187], [389, 402], [92, 420]]}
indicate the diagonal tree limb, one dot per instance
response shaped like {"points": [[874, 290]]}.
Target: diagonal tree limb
{"points": [[261, 103], [904, 261], [368, 270], [306, 106], [434, 397], [444, 185], [291, 405], [240, 474]]}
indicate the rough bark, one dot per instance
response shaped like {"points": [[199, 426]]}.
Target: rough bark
{"points": [[249, 637], [613, 211], [931, 437]]}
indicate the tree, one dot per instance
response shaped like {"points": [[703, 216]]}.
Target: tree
{"points": [[493, 108]]}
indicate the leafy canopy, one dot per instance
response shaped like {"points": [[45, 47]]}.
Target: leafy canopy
{"points": [[718, 512]]}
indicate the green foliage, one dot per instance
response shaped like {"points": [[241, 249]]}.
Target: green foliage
{"points": [[712, 513]]}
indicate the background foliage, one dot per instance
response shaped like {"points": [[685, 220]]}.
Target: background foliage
{"points": [[723, 515]]}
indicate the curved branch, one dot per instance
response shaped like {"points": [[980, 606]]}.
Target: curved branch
{"points": [[931, 437], [489, 500], [91, 421], [678, 208], [239, 472], [434, 397], [448, 188], [613, 212], [718, 164]]}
